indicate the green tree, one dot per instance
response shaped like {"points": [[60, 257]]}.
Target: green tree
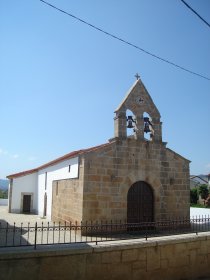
{"points": [[3, 193], [193, 196], [203, 191]]}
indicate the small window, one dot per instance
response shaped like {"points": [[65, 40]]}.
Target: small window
{"points": [[45, 180], [69, 168], [56, 191]]}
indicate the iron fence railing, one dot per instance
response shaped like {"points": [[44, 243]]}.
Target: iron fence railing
{"points": [[87, 232]]}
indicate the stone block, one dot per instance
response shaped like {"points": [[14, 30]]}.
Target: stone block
{"points": [[193, 256], [121, 271], [53, 267], [203, 249], [94, 178], [94, 271], [139, 265], [117, 212], [142, 254], [181, 248], [100, 171], [104, 197], [140, 274], [179, 260], [90, 196], [164, 264], [111, 257], [153, 258], [115, 204], [129, 255], [94, 258]]}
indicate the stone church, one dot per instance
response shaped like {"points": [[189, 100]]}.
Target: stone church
{"points": [[133, 177], [130, 178]]}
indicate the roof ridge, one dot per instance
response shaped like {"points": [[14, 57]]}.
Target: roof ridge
{"points": [[57, 160]]}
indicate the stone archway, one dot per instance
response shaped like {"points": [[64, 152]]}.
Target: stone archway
{"points": [[140, 203]]}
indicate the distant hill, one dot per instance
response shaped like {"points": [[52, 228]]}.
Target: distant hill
{"points": [[4, 184]]}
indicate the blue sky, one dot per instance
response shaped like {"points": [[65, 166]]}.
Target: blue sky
{"points": [[60, 80]]}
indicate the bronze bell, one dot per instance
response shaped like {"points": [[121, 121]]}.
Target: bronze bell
{"points": [[147, 124], [146, 128], [130, 122]]}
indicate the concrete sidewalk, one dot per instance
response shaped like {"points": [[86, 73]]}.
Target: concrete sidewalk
{"points": [[20, 230], [12, 218]]}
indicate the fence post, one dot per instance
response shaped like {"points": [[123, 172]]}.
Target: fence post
{"points": [[146, 232], [35, 239]]}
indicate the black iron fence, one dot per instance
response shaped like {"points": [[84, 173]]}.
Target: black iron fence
{"points": [[87, 232]]}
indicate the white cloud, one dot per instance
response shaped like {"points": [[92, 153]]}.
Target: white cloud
{"points": [[3, 152], [32, 158], [15, 156], [6, 153]]}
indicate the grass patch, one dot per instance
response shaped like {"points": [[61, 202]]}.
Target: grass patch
{"points": [[199, 205]]}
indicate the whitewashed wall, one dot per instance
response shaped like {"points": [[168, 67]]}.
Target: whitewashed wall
{"points": [[4, 201], [24, 184], [58, 171], [39, 183]]}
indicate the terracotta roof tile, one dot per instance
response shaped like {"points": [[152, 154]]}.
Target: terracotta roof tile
{"points": [[60, 159]]}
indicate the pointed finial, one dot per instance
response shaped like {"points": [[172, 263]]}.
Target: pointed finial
{"points": [[137, 76]]}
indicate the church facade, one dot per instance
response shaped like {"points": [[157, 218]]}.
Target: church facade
{"points": [[132, 177]]}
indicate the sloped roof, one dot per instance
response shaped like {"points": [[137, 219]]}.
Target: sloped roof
{"points": [[55, 161], [200, 178]]}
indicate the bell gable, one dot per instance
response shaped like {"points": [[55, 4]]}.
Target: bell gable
{"points": [[145, 118]]}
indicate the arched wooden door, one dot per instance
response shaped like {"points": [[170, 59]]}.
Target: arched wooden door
{"points": [[140, 203]]}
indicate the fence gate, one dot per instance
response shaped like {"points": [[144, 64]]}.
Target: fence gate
{"points": [[140, 203]]}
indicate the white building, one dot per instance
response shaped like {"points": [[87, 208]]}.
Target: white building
{"points": [[31, 191]]}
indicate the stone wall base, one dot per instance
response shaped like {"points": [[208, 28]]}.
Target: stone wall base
{"points": [[169, 258]]}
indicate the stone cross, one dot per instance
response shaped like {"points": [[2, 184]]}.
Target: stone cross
{"points": [[137, 76]]}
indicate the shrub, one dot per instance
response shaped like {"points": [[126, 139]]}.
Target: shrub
{"points": [[3, 193], [193, 196], [203, 191]]}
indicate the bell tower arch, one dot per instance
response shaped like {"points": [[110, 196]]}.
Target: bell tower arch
{"points": [[139, 102]]}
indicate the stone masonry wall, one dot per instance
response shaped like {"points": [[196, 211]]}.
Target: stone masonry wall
{"points": [[110, 172], [175, 195], [172, 258], [67, 198]]}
